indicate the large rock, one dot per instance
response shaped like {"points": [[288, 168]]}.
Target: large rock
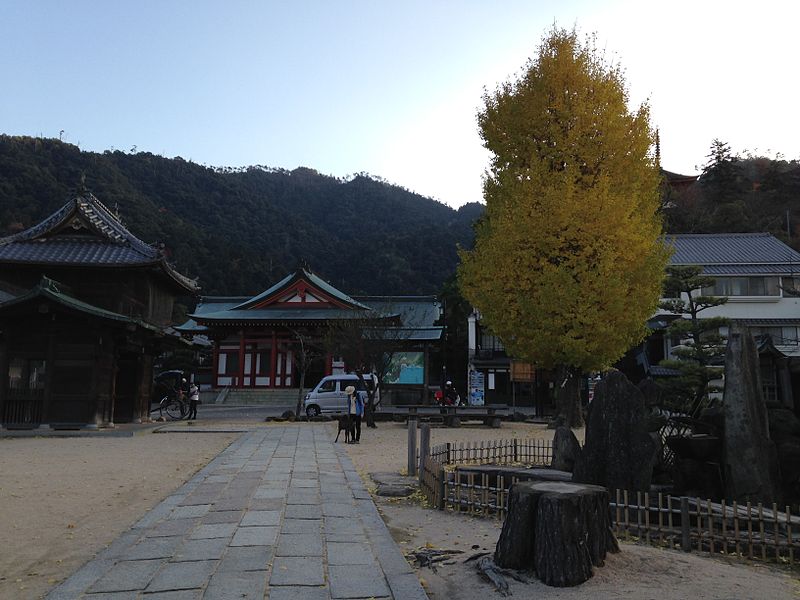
{"points": [[751, 466], [566, 450], [618, 452]]}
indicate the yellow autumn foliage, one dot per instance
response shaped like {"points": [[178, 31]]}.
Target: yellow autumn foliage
{"points": [[568, 262]]}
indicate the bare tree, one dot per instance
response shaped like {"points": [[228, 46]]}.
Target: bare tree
{"points": [[309, 350], [368, 344]]}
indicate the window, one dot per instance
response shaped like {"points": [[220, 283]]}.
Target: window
{"points": [[744, 286], [769, 383], [26, 374], [230, 365], [790, 286], [328, 386], [490, 342], [785, 336]]}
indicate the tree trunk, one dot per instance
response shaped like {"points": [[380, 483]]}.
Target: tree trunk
{"points": [[559, 530], [299, 407], [369, 411], [568, 398]]}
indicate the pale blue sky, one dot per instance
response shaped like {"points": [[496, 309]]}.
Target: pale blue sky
{"points": [[391, 88]]}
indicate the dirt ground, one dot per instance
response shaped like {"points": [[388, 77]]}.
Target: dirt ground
{"points": [[638, 572], [62, 500]]}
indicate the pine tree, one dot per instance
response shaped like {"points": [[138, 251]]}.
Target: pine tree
{"points": [[568, 261], [699, 356]]}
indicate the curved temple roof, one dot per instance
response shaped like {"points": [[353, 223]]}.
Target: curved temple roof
{"points": [[84, 232]]}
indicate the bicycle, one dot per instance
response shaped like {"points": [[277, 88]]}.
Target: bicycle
{"points": [[173, 405]]}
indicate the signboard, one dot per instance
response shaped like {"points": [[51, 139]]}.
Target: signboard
{"points": [[476, 388], [521, 371], [406, 368]]}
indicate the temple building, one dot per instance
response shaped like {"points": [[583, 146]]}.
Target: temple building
{"points": [[259, 340], [84, 310]]}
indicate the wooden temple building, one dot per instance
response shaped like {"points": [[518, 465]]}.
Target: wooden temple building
{"points": [[256, 339], [84, 305]]}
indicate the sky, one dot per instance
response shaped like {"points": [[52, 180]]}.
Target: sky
{"points": [[387, 88]]}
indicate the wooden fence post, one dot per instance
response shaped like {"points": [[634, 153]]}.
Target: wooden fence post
{"points": [[442, 488], [686, 544], [412, 446], [424, 447]]}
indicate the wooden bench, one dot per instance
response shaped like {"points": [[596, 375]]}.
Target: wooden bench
{"points": [[490, 414]]}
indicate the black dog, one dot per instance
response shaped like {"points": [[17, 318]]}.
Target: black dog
{"points": [[346, 425]]}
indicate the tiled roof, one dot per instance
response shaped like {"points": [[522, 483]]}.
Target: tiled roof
{"points": [[416, 334], [781, 269], [84, 232], [415, 311], [72, 252], [279, 314], [47, 288], [745, 250], [310, 277]]}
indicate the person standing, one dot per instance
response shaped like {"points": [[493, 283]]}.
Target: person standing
{"points": [[194, 398], [355, 406]]}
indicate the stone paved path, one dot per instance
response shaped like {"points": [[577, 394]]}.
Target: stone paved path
{"points": [[280, 514]]}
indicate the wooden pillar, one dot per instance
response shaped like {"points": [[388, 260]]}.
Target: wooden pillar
{"points": [[5, 347], [215, 360], [412, 446], [240, 383], [50, 366], [274, 360], [425, 390], [424, 448]]}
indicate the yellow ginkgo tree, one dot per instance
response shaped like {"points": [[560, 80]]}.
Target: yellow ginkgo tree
{"points": [[568, 263]]}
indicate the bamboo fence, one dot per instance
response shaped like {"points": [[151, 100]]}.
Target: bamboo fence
{"points": [[755, 532]]}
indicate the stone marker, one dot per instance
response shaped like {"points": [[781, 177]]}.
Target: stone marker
{"points": [[566, 449], [751, 465], [618, 452]]}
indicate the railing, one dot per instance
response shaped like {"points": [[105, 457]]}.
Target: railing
{"points": [[755, 532], [23, 407]]}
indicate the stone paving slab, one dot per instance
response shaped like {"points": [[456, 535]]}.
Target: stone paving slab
{"points": [[281, 513]]}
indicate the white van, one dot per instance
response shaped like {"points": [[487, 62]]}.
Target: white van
{"points": [[328, 396]]}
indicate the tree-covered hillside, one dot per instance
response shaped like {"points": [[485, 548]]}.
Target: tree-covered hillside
{"points": [[240, 230], [736, 194]]}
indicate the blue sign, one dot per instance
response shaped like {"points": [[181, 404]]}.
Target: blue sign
{"points": [[476, 388]]}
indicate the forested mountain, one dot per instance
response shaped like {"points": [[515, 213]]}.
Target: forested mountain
{"points": [[240, 230], [737, 194]]}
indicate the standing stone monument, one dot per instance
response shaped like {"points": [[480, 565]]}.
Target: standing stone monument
{"points": [[566, 450], [618, 452], [751, 466]]}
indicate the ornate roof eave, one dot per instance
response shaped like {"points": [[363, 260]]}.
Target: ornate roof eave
{"points": [[333, 295], [48, 289], [186, 283], [209, 323]]}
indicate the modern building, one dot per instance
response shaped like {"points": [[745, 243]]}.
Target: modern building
{"points": [[760, 276]]}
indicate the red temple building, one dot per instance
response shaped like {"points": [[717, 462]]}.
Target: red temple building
{"points": [[256, 339]]}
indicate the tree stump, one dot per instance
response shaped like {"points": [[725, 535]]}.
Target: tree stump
{"points": [[559, 530]]}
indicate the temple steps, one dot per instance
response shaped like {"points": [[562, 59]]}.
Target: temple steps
{"points": [[261, 397]]}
